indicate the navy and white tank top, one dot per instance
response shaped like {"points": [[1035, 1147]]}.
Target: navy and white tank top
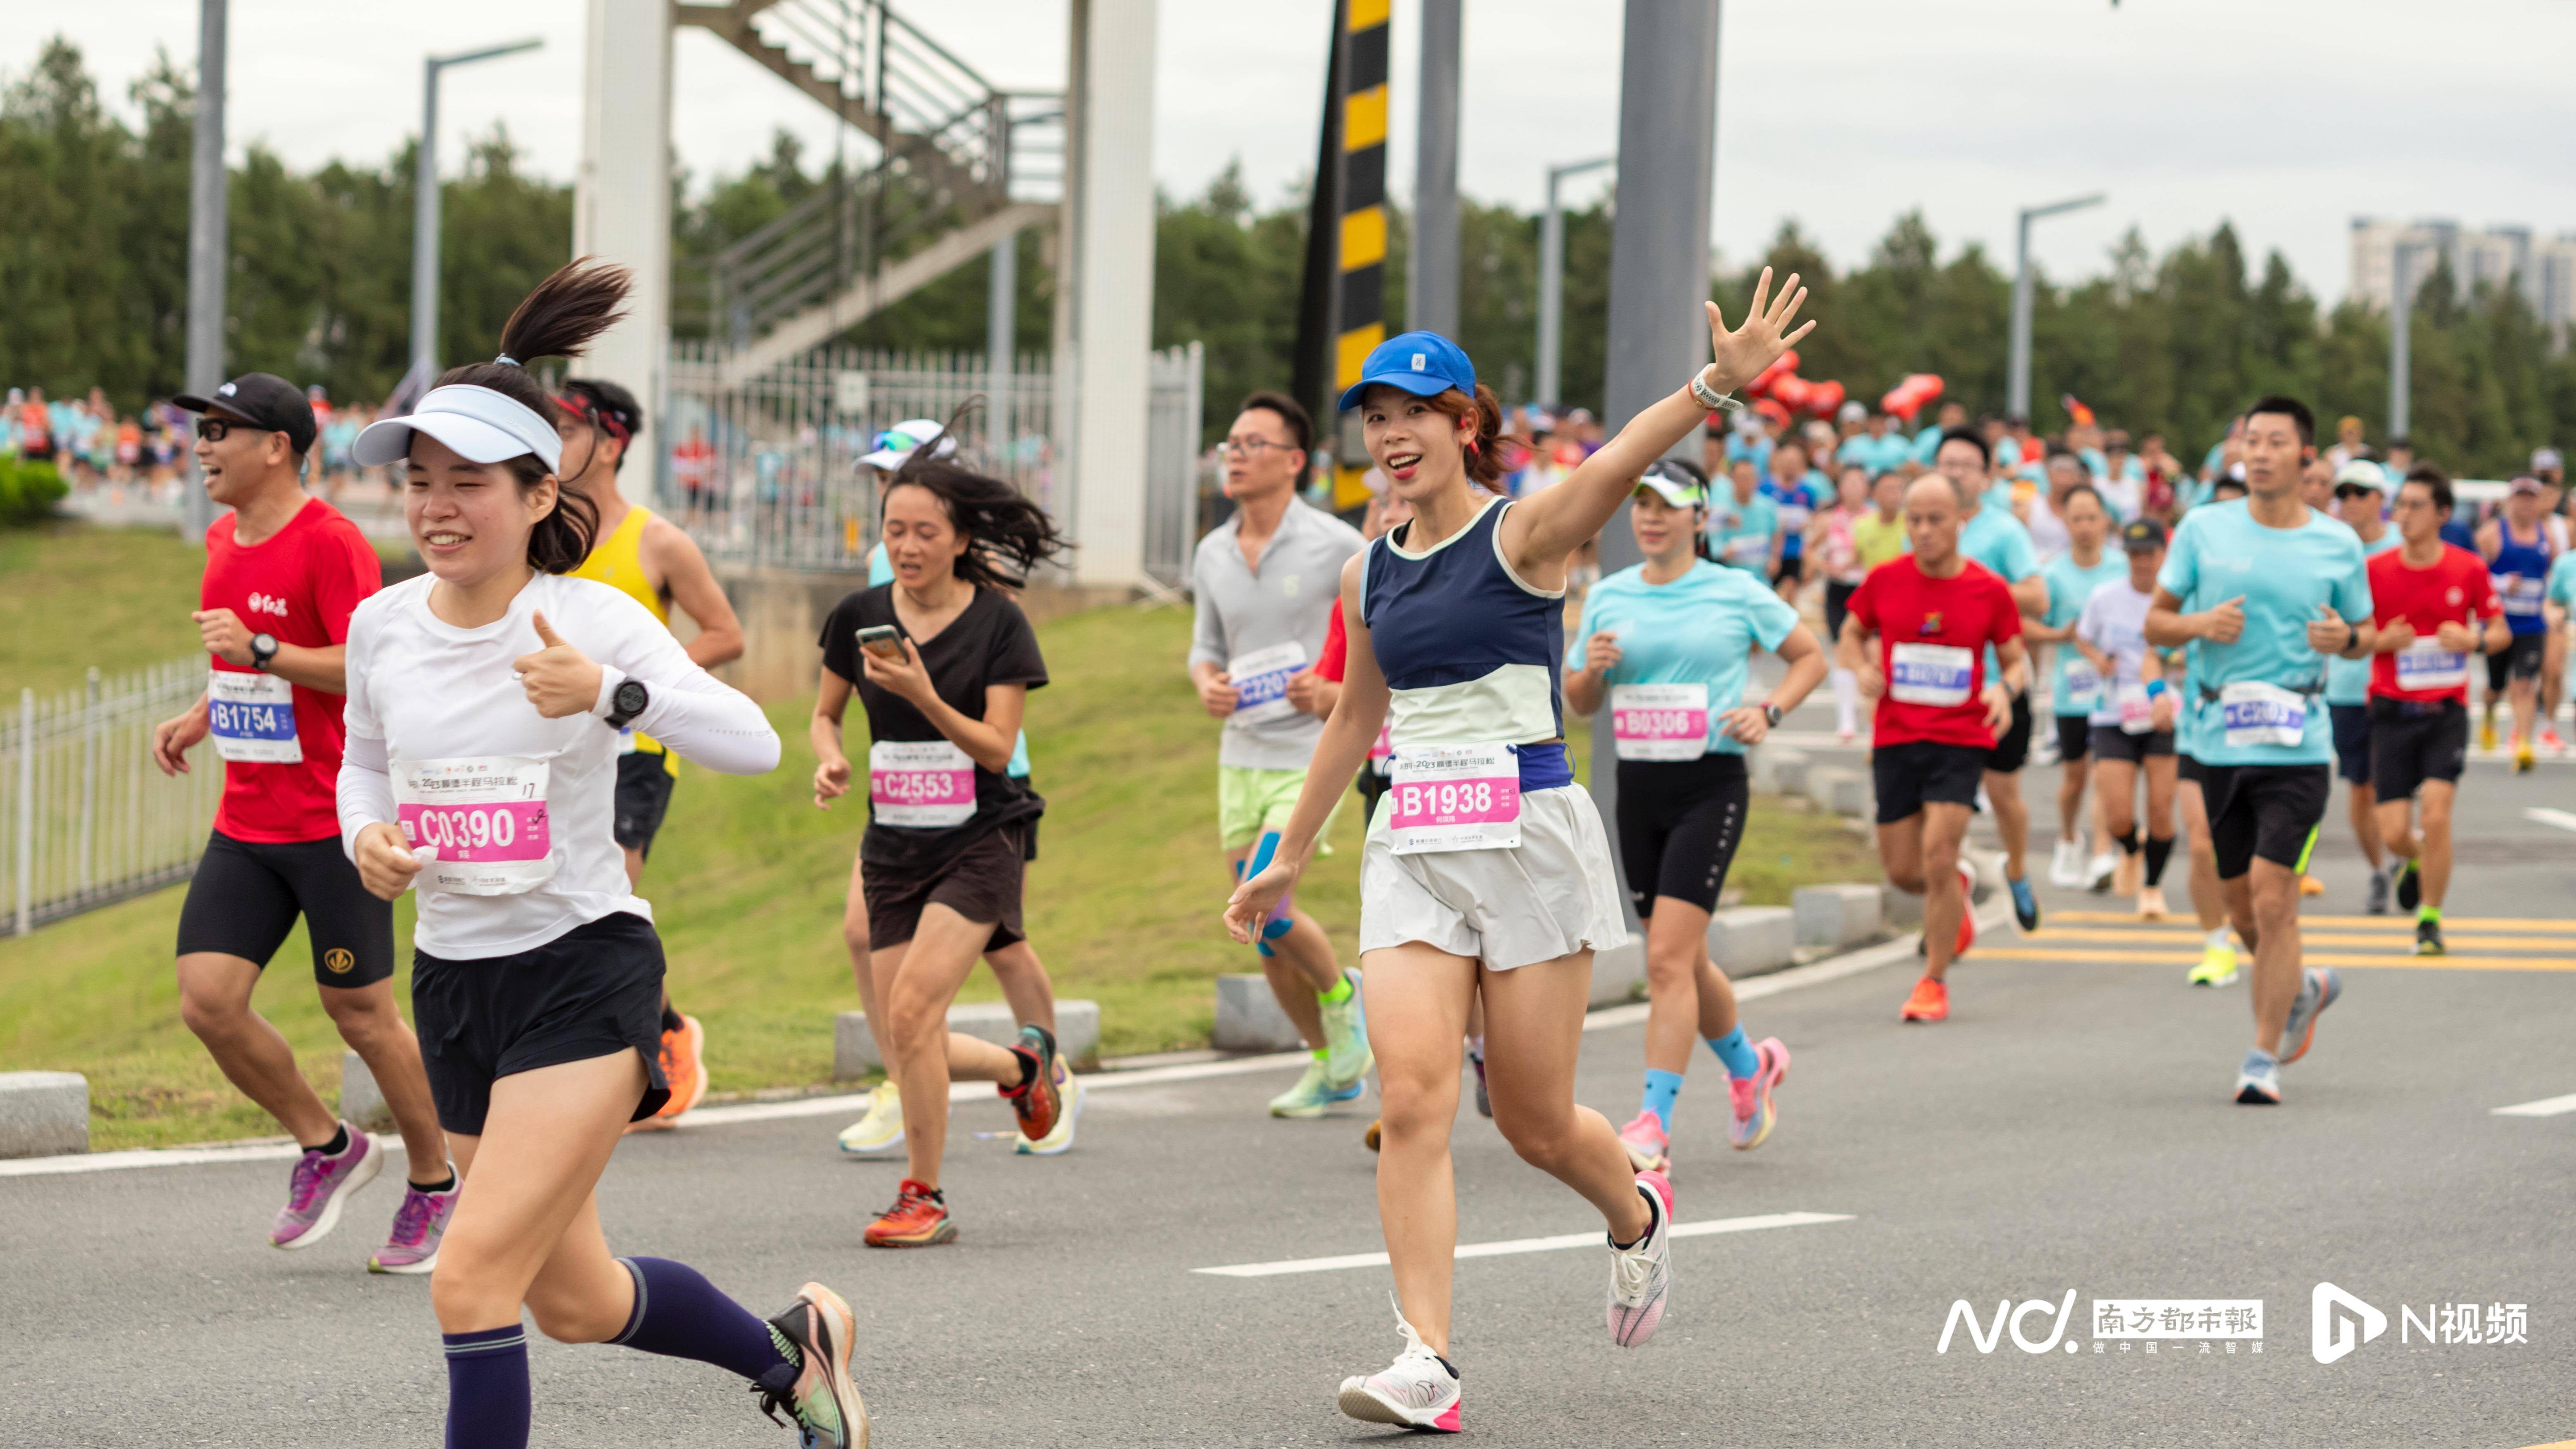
{"points": [[1469, 650], [2520, 572]]}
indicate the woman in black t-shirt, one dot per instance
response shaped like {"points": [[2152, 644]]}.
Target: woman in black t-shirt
{"points": [[948, 827]]}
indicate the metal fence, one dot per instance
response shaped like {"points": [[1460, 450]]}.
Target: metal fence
{"points": [[88, 819], [765, 470]]}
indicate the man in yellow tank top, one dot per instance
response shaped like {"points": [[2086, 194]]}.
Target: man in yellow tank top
{"points": [[656, 563]]}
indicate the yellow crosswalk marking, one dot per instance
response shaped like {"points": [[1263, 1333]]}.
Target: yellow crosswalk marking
{"points": [[2459, 940], [2311, 958], [2450, 924]]}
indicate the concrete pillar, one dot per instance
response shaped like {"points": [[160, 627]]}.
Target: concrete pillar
{"points": [[209, 251], [622, 201], [1431, 296], [1110, 278], [1659, 240]]}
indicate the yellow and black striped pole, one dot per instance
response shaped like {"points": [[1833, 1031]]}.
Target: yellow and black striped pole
{"points": [[1361, 291]]}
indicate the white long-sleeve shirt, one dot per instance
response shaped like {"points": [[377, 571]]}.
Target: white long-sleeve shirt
{"points": [[424, 691]]}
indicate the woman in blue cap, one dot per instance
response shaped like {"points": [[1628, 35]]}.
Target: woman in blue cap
{"points": [[1486, 873]]}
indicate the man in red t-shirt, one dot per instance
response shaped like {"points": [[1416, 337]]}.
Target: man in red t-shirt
{"points": [[283, 573], [2429, 596], [1933, 612]]}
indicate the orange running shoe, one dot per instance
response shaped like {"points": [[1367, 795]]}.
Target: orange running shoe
{"points": [[1930, 1002], [1967, 910], [1039, 1102], [2311, 886], [918, 1219], [684, 1067]]}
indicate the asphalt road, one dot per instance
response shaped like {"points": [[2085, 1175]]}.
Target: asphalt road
{"points": [[2068, 1129]]}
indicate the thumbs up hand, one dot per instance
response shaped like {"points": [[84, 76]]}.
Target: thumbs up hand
{"points": [[2328, 633], [560, 679]]}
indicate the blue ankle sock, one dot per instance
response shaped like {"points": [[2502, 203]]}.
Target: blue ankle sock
{"points": [[1662, 1090], [679, 1313], [1736, 1054], [487, 1388]]}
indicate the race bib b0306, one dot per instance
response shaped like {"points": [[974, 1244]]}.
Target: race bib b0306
{"points": [[252, 717], [480, 823], [1659, 721]]}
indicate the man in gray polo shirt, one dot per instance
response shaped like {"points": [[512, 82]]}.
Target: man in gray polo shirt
{"points": [[1265, 581]]}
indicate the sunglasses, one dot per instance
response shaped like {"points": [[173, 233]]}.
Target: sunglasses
{"points": [[215, 430]]}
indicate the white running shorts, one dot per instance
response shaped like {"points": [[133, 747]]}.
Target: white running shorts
{"points": [[1556, 895]]}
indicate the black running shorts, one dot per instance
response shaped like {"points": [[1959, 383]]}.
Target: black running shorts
{"points": [[2351, 731], [2013, 749], [644, 784], [1679, 824], [2270, 811], [246, 894], [593, 991], [981, 883], [2110, 742], [2187, 768], [2520, 660], [2074, 736], [1920, 772], [2413, 741]]}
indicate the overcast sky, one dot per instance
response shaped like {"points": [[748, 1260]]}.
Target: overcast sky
{"points": [[2288, 117]]}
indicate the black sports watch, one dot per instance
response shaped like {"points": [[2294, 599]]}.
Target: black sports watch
{"points": [[627, 701], [263, 648], [1770, 715]]}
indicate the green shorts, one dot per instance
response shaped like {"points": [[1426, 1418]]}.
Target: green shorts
{"points": [[1250, 802]]}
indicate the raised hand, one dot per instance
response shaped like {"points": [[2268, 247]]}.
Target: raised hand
{"points": [[1743, 353]]}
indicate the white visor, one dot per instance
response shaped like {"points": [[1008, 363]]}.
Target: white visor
{"points": [[899, 442], [483, 426]]}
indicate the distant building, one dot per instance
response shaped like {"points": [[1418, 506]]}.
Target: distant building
{"points": [[2499, 256]]}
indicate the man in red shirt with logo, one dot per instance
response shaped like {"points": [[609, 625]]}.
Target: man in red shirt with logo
{"points": [[1933, 612], [283, 573], [2429, 596]]}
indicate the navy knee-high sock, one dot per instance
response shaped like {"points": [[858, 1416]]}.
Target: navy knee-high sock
{"points": [[679, 1313], [487, 1389]]}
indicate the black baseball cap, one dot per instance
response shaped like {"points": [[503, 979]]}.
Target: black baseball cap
{"points": [[2143, 535], [263, 400]]}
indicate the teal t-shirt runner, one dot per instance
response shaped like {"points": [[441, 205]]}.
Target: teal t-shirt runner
{"points": [[2072, 688], [1698, 630], [2348, 680], [2562, 584], [1740, 533], [881, 571], [1996, 539], [2259, 700]]}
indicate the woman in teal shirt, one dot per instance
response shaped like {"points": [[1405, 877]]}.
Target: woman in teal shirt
{"points": [[1668, 646], [2072, 685]]}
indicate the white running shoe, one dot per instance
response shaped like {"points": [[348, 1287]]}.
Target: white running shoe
{"points": [[2066, 865], [1641, 1275], [1417, 1391], [2099, 874], [882, 1129]]}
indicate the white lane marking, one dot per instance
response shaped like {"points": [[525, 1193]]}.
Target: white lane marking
{"points": [[2545, 1107], [1591, 1239], [281, 1149], [2559, 818]]}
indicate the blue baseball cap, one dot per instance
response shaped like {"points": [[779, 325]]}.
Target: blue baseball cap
{"points": [[1422, 363]]}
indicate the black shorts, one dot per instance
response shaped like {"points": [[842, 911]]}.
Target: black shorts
{"points": [[981, 883], [246, 894], [1921, 772], [2187, 768], [2074, 736], [2414, 741], [2520, 660], [2351, 724], [1679, 824], [2269, 811], [2110, 742], [644, 784], [1837, 605], [2012, 751], [593, 991], [1791, 568]]}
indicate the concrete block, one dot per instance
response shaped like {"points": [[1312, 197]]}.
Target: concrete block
{"points": [[1750, 940], [43, 1114], [1901, 912], [1619, 972], [1248, 1018], [1838, 789], [1786, 770], [361, 1104], [1077, 1026], [1836, 915]]}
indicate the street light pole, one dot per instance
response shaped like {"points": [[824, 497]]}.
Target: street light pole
{"points": [[2401, 317], [424, 214], [208, 248], [1551, 278], [2017, 387]]}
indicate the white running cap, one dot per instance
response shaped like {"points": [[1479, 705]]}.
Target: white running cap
{"points": [[482, 425], [898, 442]]}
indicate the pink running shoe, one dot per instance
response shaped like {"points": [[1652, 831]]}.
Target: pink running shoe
{"points": [[1418, 1391], [1641, 1274], [320, 1185], [418, 1225], [1649, 1146], [1754, 1113]]}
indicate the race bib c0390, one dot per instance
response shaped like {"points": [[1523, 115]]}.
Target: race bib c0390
{"points": [[252, 717], [1261, 682], [1931, 674], [480, 823]]}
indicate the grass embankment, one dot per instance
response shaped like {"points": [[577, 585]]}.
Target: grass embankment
{"points": [[747, 882]]}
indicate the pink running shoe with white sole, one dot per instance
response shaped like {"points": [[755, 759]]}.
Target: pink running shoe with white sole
{"points": [[1649, 1145], [321, 1184], [1641, 1274], [419, 1224], [1754, 1114], [1418, 1391]]}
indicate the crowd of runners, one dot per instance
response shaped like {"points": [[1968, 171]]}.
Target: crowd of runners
{"points": [[501, 736]]}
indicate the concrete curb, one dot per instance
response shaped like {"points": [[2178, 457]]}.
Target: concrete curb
{"points": [[43, 1114], [1077, 1027]]}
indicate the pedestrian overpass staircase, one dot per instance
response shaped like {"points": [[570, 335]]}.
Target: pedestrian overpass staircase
{"points": [[961, 164]]}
